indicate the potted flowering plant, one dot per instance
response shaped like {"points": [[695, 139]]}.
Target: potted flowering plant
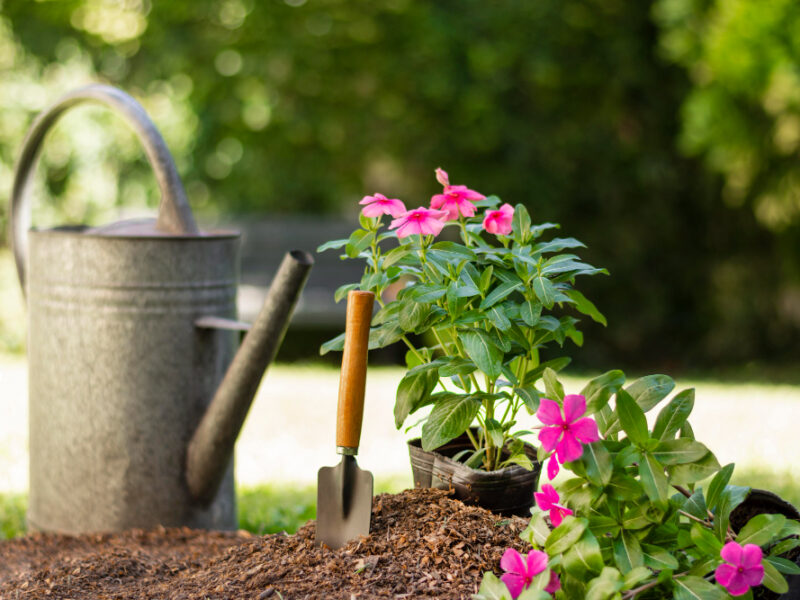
{"points": [[632, 521], [485, 305]]}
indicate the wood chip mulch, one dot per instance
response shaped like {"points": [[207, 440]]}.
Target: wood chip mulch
{"points": [[422, 544]]}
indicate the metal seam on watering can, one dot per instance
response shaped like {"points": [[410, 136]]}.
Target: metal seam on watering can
{"points": [[127, 381]]}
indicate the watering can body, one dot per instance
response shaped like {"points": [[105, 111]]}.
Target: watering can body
{"points": [[128, 423]]}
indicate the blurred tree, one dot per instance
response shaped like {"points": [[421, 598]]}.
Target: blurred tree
{"points": [[283, 106]]}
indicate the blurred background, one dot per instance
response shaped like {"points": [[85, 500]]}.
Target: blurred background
{"points": [[664, 134]]}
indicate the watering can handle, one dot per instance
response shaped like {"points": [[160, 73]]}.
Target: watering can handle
{"points": [[174, 214]]}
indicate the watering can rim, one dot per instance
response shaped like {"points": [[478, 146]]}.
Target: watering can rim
{"points": [[84, 231]]}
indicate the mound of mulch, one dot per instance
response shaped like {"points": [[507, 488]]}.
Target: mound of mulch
{"points": [[422, 544]]}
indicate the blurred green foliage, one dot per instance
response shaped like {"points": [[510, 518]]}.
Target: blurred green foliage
{"points": [[571, 106]]}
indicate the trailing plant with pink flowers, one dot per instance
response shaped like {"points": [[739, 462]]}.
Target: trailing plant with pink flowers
{"points": [[484, 289], [633, 520]]}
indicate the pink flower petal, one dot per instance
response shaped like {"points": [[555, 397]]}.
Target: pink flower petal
{"points": [[542, 501], [442, 177], [732, 553], [556, 517], [549, 436], [512, 562], [569, 448], [552, 467], [574, 407], [438, 200], [549, 412], [724, 574], [536, 563], [563, 511], [554, 584], [585, 430], [370, 199], [753, 576], [515, 583], [552, 494], [751, 556], [737, 586], [498, 222]]}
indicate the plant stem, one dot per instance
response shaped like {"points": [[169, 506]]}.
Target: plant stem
{"points": [[636, 591]]}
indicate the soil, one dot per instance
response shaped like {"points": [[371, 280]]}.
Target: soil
{"points": [[422, 544]]}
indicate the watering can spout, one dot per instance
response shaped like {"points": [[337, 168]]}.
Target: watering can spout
{"points": [[211, 445]]}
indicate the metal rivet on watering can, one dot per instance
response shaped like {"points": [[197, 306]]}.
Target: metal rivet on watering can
{"points": [[137, 392]]}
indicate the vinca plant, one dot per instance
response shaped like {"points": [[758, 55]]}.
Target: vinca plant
{"points": [[484, 301], [633, 520]]}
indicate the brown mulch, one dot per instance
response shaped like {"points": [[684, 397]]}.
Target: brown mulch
{"points": [[422, 544]]}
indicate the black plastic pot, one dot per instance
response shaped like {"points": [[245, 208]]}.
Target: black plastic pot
{"points": [[764, 502], [508, 491]]}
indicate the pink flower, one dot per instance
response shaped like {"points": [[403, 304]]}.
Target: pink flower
{"points": [[552, 467], [520, 571], [554, 584], [423, 221], [742, 569], [455, 199], [498, 221], [566, 433], [548, 499], [379, 204]]}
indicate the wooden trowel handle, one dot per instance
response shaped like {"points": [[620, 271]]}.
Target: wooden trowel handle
{"points": [[354, 370]]}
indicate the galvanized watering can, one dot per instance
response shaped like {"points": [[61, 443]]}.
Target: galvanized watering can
{"points": [[137, 392]]}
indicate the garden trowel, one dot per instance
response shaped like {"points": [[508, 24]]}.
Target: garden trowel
{"points": [[344, 492]]}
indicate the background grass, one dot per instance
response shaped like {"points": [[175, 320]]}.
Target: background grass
{"points": [[277, 507]]}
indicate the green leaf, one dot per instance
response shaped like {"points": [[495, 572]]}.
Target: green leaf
{"points": [[537, 531], [650, 390], [359, 240], [521, 224], [631, 418], [627, 552], [623, 487], [706, 541], [412, 315], [412, 392], [335, 344], [452, 251], [386, 334], [690, 587], [479, 347], [783, 565], [558, 244], [553, 388], [492, 588], [606, 586], [557, 364], [693, 472], [457, 366], [530, 311], [718, 484], [760, 529], [722, 517], [653, 479], [598, 464], [773, 580], [585, 306], [449, 418], [394, 256], [495, 431], [584, 557], [674, 415], [695, 505], [565, 535], [598, 390], [530, 396], [657, 558], [544, 290], [425, 293], [332, 245], [342, 291], [499, 293], [498, 317], [679, 451], [636, 576]]}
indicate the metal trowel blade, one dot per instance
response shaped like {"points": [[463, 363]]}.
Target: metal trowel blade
{"points": [[344, 503]]}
